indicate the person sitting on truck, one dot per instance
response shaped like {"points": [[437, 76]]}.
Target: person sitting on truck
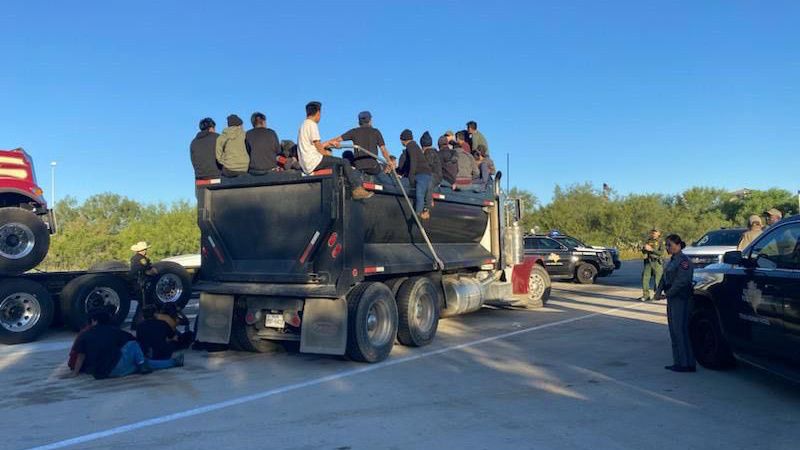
{"points": [[262, 145], [481, 183], [476, 136], [419, 174], [448, 158], [105, 351], [287, 158], [432, 157], [203, 151], [369, 138], [314, 154], [467, 168], [231, 149]]}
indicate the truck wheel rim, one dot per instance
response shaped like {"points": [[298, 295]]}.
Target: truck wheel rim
{"points": [[20, 312], [378, 326], [102, 296], [169, 288], [535, 286], [423, 312], [16, 240]]}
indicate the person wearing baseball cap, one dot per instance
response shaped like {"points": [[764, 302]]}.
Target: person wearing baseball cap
{"points": [[773, 216], [754, 229], [371, 139]]}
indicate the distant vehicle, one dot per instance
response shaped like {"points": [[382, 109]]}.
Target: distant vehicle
{"points": [[26, 222], [748, 308], [189, 261], [710, 248], [573, 242], [569, 258]]}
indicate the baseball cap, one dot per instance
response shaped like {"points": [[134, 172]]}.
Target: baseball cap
{"points": [[773, 212], [755, 218]]}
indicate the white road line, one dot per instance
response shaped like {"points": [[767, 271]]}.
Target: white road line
{"points": [[310, 383]]}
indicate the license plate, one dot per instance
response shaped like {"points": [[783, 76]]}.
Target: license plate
{"points": [[274, 321]]}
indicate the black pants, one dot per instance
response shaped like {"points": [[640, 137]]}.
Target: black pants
{"points": [[231, 173], [353, 177]]}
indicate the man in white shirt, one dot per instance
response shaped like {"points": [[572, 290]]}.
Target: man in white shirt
{"points": [[313, 154]]}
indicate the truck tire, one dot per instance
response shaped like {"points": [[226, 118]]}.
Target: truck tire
{"points": [[92, 290], [172, 285], [539, 286], [108, 266], [245, 338], [26, 311], [371, 322], [394, 284], [418, 312], [24, 240], [708, 344], [586, 273]]}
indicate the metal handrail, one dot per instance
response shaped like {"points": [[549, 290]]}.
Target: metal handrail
{"points": [[439, 263]]}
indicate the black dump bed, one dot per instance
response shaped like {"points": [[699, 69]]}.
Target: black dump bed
{"points": [[286, 229]]}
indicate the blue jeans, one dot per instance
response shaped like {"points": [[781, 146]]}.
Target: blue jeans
{"points": [[423, 191], [132, 357]]}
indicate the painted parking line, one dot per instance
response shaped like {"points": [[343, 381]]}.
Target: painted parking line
{"points": [[310, 383]]}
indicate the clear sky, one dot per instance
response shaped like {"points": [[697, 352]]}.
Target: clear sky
{"points": [[646, 96]]}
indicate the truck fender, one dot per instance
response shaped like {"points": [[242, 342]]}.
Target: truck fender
{"points": [[520, 274], [215, 318]]}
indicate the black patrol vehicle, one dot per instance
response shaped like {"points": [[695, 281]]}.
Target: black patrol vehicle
{"points": [[748, 307], [567, 257]]}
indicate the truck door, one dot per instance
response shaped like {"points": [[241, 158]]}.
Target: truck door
{"points": [[767, 291]]}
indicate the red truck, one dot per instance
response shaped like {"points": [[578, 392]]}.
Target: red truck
{"points": [[31, 301]]}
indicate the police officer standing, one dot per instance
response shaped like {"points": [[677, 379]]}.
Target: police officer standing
{"points": [[142, 271], [677, 285], [653, 251]]}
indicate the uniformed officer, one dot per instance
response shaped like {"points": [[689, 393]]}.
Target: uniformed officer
{"points": [[142, 271], [653, 251], [677, 285]]}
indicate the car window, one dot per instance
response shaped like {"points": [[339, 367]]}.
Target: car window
{"points": [[530, 244], [779, 248], [729, 238], [571, 242], [548, 244]]}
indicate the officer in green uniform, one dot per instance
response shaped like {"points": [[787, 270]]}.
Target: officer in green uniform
{"points": [[142, 271], [653, 251]]}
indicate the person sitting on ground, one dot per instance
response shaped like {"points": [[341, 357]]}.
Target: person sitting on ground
{"points": [[419, 174], [432, 157], [754, 229], [169, 313], [467, 168], [203, 151], [369, 138], [231, 149], [155, 336], [314, 154], [105, 351], [262, 145], [476, 136]]}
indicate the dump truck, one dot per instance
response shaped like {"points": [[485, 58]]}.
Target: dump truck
{"points": [[292, 258], [32, 300]]}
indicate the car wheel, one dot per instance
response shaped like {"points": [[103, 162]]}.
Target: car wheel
{"points": [[708, 344], [586, 273]]}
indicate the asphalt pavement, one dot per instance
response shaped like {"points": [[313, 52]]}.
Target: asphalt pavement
{"points": [[584, 372]]}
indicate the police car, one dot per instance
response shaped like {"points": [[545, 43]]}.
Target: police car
{"points": [[572, 242], [748, 308], [569, 258]]}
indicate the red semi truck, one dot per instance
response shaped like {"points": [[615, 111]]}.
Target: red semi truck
{"points": [[31, 301]]}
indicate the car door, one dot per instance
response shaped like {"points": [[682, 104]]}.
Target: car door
{"points": [[769, 291], [556, 256]]}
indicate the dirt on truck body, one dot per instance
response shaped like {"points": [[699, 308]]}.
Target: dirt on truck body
{"points": [[287, 257]]}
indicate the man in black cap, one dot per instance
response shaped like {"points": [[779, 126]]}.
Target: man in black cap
{"points": [[432, 157], [202, 151], [231, 150], [419, 174], [371, 139], [263, 145]]}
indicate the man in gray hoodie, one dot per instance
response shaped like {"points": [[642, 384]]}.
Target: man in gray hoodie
{"points": [[231, 149]]}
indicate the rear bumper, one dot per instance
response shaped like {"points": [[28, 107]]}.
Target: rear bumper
{"points": [[284, 290]]}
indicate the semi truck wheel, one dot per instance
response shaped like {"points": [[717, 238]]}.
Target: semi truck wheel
{"points": [[172, 285], [24, 240], [586, 273], [708, 343], [371, 322], [245, 338], [538, 286], [26, 310], [418, 312], [394, 284], [90, 291]]}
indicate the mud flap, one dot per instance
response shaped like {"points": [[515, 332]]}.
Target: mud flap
{"points": [[324, 328], [215, 318]]}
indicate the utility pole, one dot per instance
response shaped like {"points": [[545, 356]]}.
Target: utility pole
{"points": [[52, 184]]}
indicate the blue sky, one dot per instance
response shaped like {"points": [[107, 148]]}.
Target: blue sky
{"points": [[646, 96]]}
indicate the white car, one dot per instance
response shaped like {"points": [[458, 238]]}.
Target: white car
{"points": [[710, 248], [189, 261]]}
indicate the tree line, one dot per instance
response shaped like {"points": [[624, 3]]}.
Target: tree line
{"points": [[104, 226], [604, 218]]}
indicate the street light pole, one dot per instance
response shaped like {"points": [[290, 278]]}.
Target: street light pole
{"points": [[52, 184]]}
